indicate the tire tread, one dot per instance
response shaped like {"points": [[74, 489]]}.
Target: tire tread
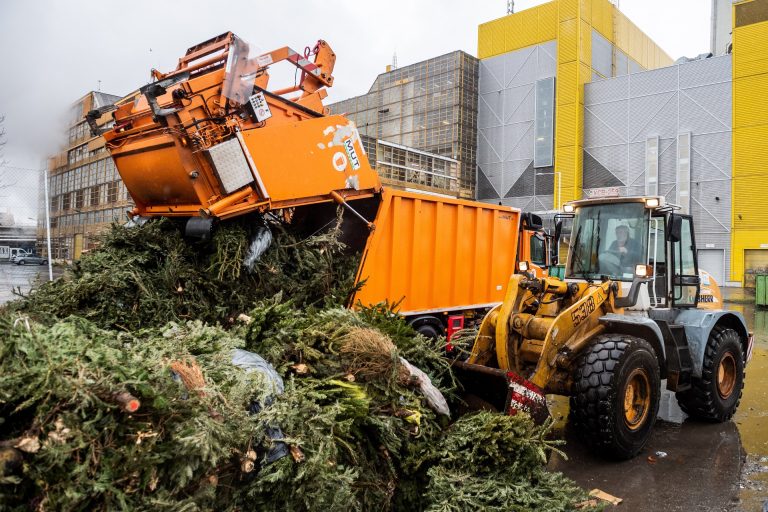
{"points": [[699, 400], [592, 412]]}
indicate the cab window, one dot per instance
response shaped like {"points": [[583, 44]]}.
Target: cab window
{"points": [[538, 250]]}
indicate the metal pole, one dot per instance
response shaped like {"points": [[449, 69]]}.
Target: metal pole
{"points": [[48, 225]]}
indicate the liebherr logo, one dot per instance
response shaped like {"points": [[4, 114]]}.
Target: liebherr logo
{"points": [[352, 154]]}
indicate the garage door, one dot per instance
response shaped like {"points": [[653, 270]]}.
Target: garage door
{"points": [[713, 261], [755, 262]]}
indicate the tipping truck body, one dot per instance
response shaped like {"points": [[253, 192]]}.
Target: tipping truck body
{"points": [[208, 142]]}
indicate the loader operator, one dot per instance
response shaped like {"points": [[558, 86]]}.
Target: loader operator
{"points": [[625, 247]]}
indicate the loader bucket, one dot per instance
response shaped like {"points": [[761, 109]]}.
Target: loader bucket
{"points": [[506, 391]]}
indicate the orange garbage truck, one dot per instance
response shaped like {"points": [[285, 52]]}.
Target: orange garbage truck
{"points": [[209, 141]]}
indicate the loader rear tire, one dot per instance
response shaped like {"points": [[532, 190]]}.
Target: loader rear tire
{"points": [[616, 395], [716, 394]]}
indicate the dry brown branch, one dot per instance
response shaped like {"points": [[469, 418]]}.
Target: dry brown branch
{"points": [[190, 374]]}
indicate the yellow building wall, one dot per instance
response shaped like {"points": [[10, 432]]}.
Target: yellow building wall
{"points": [[750, 132], [525, 28], [570, 22]]}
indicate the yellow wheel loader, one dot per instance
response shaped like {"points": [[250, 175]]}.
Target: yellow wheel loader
{"points": [[625, 318]]}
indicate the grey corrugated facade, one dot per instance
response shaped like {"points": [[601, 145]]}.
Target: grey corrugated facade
{"points": [[695, 97], [505, 123], [430, 106]]}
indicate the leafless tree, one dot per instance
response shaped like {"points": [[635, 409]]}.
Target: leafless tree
{"points": [[4, 171], [2, 139]]}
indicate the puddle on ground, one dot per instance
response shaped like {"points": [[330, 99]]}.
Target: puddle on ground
{"points": [[752, 415]]}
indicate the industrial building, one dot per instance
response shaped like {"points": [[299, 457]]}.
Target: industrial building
{"points": [[667, 132], [576, 101], [430, 106], [86, 192], [533, 68]]}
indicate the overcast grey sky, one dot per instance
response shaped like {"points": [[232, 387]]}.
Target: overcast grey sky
{"points": [[53, 52]]}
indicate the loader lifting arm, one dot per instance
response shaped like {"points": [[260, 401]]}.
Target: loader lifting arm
{"points": [[525, 329], [526, 346]]}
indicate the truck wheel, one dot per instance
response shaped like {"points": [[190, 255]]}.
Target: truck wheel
{"points": [[716, 395], [616, 395], [428, 331], [22, 262]]}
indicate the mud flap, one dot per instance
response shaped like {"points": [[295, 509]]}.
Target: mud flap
{"points": [[507, 392]]}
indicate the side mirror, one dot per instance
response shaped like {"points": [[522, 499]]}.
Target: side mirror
{"points": [[533, 222], [675, 228]]}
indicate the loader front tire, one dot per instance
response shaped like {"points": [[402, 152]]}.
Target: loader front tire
{"points": [[716, 394], [616, 395]]}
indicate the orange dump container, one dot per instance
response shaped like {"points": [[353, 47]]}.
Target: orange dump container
{"points": [[437, 254]]}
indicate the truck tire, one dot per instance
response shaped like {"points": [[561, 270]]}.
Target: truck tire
{"points": [[717, 393], [616, 395], [428, 331]]}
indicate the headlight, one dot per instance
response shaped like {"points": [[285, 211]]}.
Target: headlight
{"points": [[652, 202], [643, 270], [568, 208]]}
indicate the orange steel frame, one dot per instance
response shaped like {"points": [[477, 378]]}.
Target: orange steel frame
{"points": [[162, 158]]}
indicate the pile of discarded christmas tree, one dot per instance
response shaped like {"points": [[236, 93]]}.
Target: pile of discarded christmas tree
{"points": [[162, 375]]}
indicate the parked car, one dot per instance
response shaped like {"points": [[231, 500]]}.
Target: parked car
{"points": [[29, 259]]}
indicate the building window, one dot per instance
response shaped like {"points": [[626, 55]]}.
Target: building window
{"points": [[683, 181], [95, 196], [79, 199], [544, 122], [66, 201], [112, 192], [652, 166]]}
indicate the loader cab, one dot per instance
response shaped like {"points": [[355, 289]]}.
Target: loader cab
{"points": [[635, 238]]}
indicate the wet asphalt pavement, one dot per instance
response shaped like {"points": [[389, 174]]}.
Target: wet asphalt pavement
{"points": [[21, 277], [689, 465]]}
